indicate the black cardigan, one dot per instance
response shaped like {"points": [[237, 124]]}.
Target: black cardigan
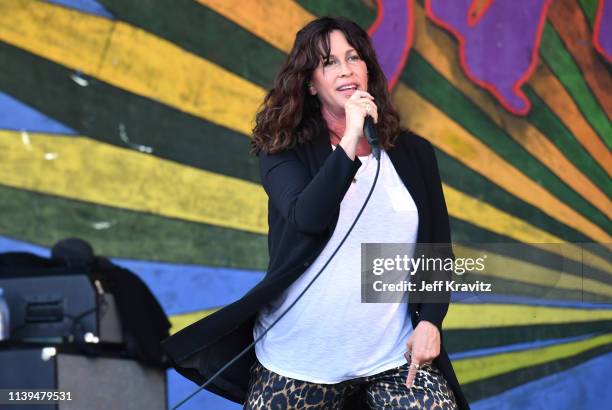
{"points": [[305, 186]]}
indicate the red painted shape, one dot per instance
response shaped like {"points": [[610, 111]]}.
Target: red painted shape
{"points": [[596, 29], [476, 11], [486, 85]]}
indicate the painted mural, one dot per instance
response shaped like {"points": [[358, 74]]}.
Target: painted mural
{"points": [[127, 123]]}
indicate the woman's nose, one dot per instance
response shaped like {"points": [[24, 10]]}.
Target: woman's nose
{"points": [[345, 69]]}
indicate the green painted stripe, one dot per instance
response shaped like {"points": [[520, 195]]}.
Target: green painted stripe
{"points": [[542, 117], [492, 386], [589, 8], [99, 112], [461, 340], [460, 177], [45, 219], [355, 10], [427, 82], [464, 232], [208, 35], [562, 64]]}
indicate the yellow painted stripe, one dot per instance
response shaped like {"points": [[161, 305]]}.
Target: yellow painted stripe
{"points": [[132, 59], [488, 217], [79, 168], [556, 97], [440, 51], [486, 315], [470, 370], [425, 119], [274, 21], [504, 267], [181, 321]]}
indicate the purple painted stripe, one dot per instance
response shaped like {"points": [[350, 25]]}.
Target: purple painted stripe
{"points": [[390, 37], [604, 28]]}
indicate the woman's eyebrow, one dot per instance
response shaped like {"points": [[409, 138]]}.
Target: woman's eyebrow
{"points": [[345, 53]]}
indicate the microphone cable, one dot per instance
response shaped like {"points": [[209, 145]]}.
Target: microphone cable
{"points": [[376, 155]]}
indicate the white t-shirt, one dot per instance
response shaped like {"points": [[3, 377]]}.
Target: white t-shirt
{"points": [[330, 336]]}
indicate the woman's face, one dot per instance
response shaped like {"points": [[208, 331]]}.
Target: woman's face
{"points": [[335, 80]]}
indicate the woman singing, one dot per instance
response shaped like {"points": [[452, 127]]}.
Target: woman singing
{"points": [[330, 350]]}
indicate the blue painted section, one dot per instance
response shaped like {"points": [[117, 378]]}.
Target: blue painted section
{"points": [[518, 347], [586, 386], [86, 6], [13, 245], [179, 388], [15, 115], [188, 288]]}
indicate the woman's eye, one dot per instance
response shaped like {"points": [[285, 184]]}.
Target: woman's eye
{"points": [[354, 58], [329, 62]]}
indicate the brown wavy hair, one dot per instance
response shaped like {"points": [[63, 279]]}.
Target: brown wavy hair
{"points": [[289, 115]]}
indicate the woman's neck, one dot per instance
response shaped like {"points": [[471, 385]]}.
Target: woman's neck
{"points": [[336, 123]]}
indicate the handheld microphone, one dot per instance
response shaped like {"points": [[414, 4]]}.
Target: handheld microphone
{"points": [[370, 133]]}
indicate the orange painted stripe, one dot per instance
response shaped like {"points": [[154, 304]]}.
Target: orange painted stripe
{"points": [[569, 21], [440, 50], [274, 21], [556, 97]]}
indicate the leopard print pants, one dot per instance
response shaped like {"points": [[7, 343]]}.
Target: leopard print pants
{"points": [[386, 390]]}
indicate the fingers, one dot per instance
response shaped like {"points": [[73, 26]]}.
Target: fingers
{"points": [[370, 109], [357, 108], [413, 369], [415, 366], [422, 348], [361, 94], [365, 105]]}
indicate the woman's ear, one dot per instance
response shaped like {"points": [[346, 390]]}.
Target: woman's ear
{"points": [[311, 89]]}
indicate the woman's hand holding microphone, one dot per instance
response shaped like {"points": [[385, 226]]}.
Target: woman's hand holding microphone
{"points": [[357, 108]]}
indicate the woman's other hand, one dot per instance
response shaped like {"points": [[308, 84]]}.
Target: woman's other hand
{"points": [[424, 346]]}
